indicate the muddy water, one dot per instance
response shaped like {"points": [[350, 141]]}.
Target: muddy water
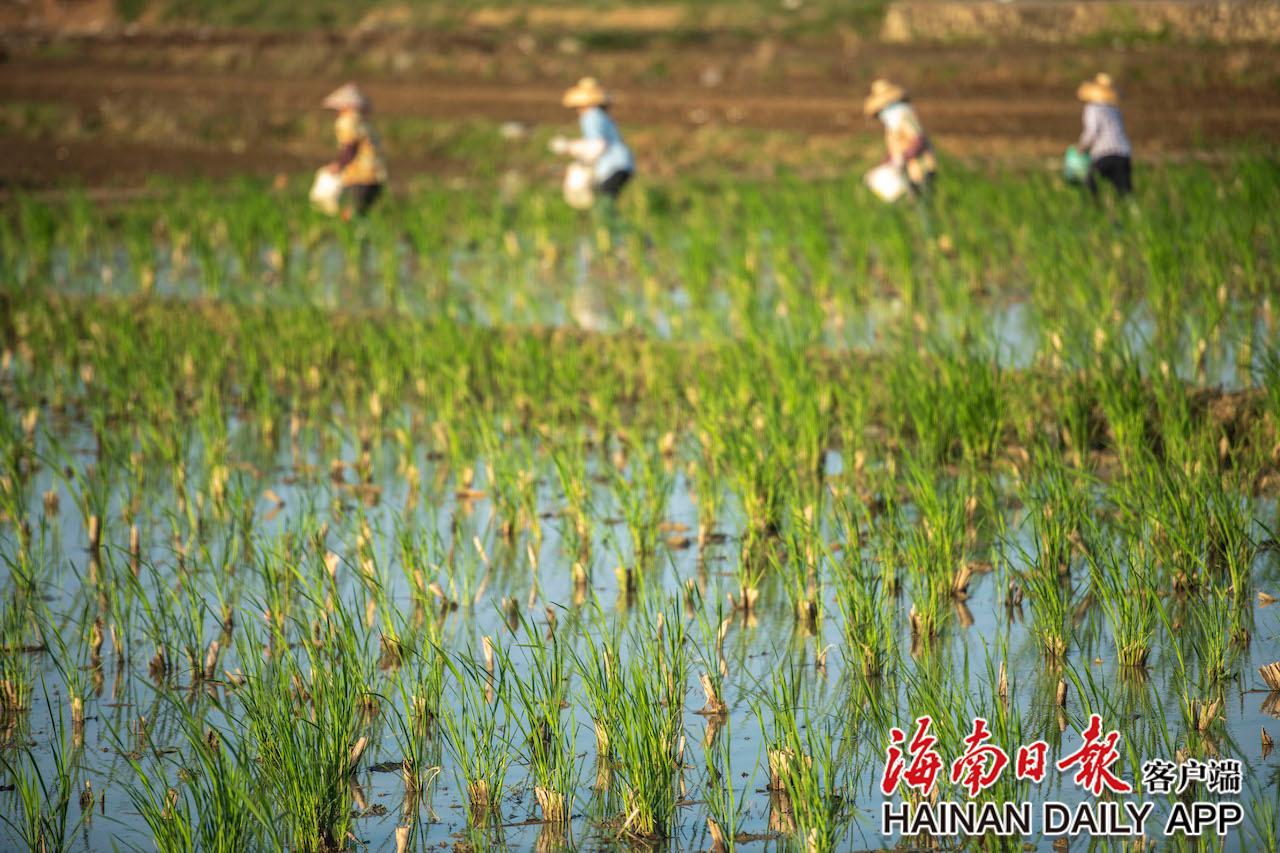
{"points": [[474, 286], [1140, 706]]}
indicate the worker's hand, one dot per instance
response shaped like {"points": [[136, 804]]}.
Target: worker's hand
{"points": [[559, 145], [334, 168]]}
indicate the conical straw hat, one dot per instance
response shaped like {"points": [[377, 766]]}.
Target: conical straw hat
{"points": [[1099, 90], [346, 97], [883, 94], [586, 93]]}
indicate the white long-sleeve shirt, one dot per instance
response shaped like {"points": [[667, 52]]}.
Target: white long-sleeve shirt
{"points": [[1104, 134]]}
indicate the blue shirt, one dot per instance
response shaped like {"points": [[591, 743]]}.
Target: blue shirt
{"points": [[596, 124]]}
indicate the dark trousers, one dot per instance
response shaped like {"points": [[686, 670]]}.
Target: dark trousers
{"points": [[1114, 168], [363, 196], [923, 189], [612, 185]]}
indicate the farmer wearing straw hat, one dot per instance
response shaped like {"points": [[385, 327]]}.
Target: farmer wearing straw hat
{"points": [[601, 146], [1104, 139], [904, 137], [359, 163]]}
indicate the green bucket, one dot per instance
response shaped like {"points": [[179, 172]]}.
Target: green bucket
{"points": [[1075, 165]]}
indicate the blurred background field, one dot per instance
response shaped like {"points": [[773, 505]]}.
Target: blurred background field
{"points": [[110, 95]]}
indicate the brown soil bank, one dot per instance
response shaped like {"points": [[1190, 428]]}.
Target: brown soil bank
{"points": [[1068, 23], [1059, 21], [119, 107]]}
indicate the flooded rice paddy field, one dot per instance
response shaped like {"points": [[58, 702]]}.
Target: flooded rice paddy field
{"points": [[327, 537], [1020, 257]]}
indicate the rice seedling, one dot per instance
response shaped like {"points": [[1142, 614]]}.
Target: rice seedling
{"points": [[1051, 610], [44, 790], [1057, 513], [73, 666], [934, 554], [1218, 636], [759, 492], [867, 613], [509, 473], [548, 731], [1057, 499], [213, 804], [17, 676], [724, 800], [597, 666], [1122, 587], [305, 721], [801, 563], [814, 786], [474, 728], [642, 496], [644, 733], [782, 701], [419, 684], [1264, 824], [714, 668], [570, 463], [647, 745], [804, 768]]}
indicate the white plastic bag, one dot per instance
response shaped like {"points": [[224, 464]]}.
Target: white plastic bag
{"points": [[326, 191], [579, 186], [887, 182]]}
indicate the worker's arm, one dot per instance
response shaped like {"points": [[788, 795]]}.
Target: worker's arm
{"points": [[914, 145], [346, 154], [349, 132], [585, 151], [898, 142], [594, 141]]}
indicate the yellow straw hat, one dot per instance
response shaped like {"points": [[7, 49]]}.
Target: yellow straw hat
{"points": [[883, 94], [586, 93], [346, 97], [1099, 90]]}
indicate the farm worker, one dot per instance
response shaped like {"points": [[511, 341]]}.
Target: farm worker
{"points": [[359, 162], [1104, 139], [909, 148], [601, 147]]}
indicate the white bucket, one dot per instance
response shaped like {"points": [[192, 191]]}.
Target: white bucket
{"points": [[579, 186], [887, 182], [326, 190]]}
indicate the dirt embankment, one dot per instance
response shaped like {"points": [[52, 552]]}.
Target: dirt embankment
{"points": [[1058, 22], [1055, 21], [114, 109]]}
